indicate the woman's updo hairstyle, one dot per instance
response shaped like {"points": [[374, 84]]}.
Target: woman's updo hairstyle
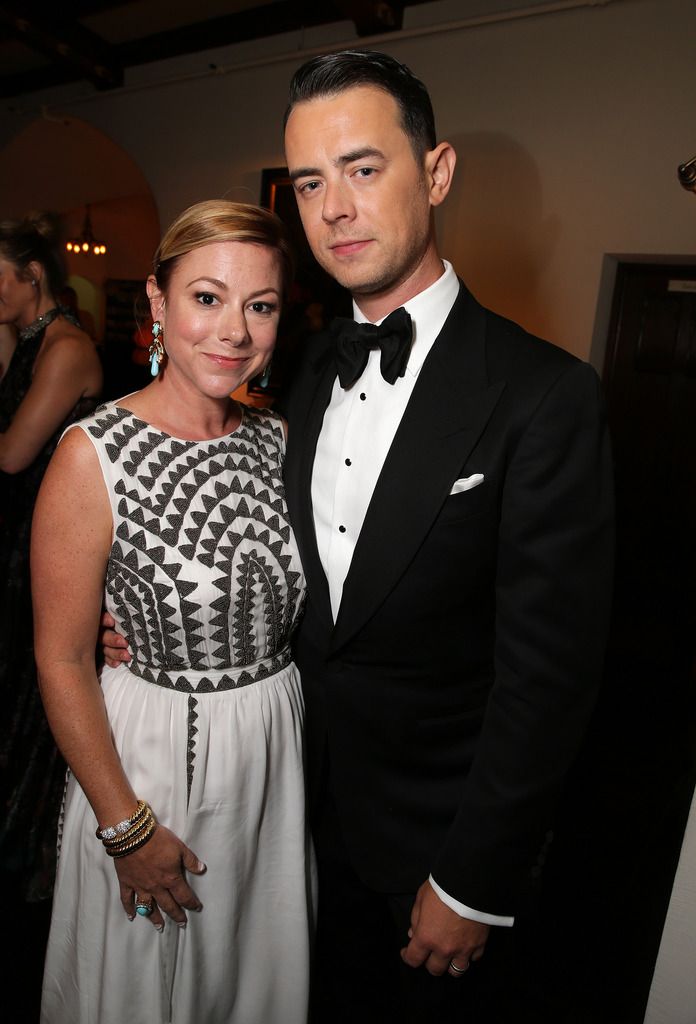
{"points": [[220, 220], [35, 239]]}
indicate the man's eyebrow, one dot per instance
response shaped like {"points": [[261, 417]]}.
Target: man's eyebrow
{"points": [[340, 161], [359, 154], [304, 172]]}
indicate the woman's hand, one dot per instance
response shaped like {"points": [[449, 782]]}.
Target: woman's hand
{"points": [[157, 871]]}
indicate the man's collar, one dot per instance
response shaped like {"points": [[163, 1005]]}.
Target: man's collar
{"points": [[428, 310]]}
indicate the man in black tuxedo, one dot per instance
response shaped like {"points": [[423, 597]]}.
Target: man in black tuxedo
{"points": [[455, 526]]}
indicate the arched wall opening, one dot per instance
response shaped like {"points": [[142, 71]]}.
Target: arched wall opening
{"points": [[65, 164]]}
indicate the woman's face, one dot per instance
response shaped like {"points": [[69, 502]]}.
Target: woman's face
{"points": [[17, 296], [219, 315]]}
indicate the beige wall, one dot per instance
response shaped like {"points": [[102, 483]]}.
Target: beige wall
{"points": [[63, 163], [569, 128]]}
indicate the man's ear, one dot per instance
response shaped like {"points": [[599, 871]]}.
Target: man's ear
{"points": [[439, 168], [156, 297]]}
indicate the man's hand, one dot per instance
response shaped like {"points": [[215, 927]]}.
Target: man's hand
{"points": [[441, 938], [114, 645]]}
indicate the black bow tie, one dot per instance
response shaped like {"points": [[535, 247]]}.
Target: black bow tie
{"points": [[354, 342]]}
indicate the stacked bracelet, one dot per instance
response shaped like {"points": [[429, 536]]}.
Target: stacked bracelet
{"points": [[124, 848], [112, 831], [129, 835]]}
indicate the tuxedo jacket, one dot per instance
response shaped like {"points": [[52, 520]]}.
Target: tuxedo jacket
{"points": [[450, 696]]}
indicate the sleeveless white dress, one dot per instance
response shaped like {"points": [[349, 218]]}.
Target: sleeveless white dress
{"points": [[205, 582]]}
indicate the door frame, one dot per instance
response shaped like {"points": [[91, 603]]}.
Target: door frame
{"points": [[603, 325]]}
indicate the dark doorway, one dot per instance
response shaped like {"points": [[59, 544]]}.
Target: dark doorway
{"points": [[618, 838], [650, 384]]}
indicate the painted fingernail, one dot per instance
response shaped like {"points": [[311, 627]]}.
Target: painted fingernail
{"points": [[159, 927], [181, 924]]}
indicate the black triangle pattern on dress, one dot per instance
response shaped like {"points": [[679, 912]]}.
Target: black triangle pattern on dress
{"points": [[203, 577], [191, 744]]}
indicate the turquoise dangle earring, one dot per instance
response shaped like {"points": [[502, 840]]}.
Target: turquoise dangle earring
{"points": [[156, 350], [265, 377]]}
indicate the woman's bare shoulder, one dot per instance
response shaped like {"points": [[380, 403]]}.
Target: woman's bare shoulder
{"points": [[68, 353], [73, 478], [75, 449], [64, 336]]}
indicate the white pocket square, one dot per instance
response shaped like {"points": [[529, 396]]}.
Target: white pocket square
{"points": [[466, 483]]}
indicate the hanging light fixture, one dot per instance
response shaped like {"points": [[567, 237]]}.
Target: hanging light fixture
{"points": [[86, 244]]}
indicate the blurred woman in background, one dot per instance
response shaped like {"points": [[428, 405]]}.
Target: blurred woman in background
{"points": [[8, 341], [53, 378]]}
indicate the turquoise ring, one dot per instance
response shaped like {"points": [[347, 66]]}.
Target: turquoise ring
{"points": [[143, 907]]}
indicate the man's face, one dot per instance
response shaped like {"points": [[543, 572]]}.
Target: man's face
{"points": [[362, 195]]}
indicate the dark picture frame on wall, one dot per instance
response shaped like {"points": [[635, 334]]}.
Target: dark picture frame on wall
{"points": [[314, 297]]}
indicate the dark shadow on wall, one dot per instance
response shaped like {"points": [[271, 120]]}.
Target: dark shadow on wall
{"points": [[494, 228]]}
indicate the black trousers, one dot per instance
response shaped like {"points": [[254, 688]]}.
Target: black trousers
{"points": [[358, 975]]}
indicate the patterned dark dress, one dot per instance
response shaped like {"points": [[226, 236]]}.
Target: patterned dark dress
{"points": [[32, 773], [205, 582]]}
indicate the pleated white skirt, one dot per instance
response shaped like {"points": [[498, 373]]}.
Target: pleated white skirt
{"points": [[224, 771]]}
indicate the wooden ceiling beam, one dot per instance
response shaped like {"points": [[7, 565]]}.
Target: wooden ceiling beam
{"points": [[66, 44], [373, 17], [254, 23], [73, 52]]}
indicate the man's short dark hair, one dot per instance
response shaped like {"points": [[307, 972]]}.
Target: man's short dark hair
{"points": [[333, 73]]}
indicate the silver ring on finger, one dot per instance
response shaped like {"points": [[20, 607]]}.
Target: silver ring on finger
{"points": [[143, 907], [458, 970]]}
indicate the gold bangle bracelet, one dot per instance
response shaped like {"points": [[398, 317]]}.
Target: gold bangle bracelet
{"points": [[114, 831], [133, 832], [123, 851]]}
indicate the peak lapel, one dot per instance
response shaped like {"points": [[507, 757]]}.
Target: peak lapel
{"points": [[448, 410], [304, 429]]}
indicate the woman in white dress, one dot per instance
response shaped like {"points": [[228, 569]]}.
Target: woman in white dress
{"points": [[193, 901]]}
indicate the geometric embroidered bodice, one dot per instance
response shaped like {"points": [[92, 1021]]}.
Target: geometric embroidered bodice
{"points": [[203, 579]]}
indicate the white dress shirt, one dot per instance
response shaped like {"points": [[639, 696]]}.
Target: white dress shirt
{"points": [[356, 435]]}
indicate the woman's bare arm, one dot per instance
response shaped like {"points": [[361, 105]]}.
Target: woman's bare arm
{"points": [[67, 371], [71, 539]]}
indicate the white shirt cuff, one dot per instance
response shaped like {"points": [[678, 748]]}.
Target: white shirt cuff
{"points": [[464, 911]]}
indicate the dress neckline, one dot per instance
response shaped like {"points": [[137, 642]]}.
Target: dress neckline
{"points": [[42, 322], [184, 440]]}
